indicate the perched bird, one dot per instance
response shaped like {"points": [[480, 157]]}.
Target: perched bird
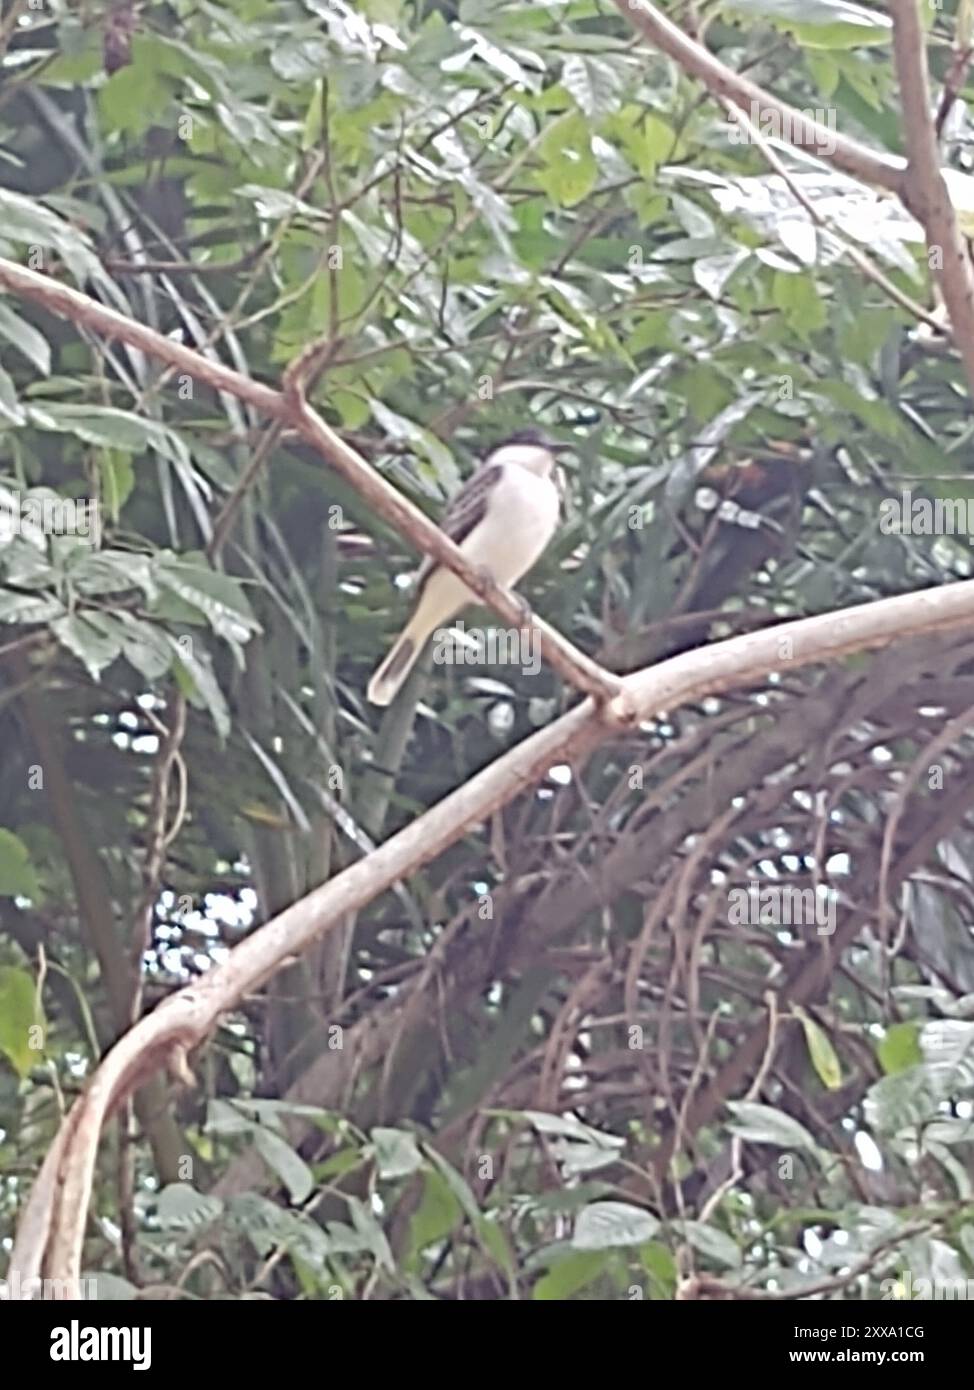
{"points": [[502, 519]]}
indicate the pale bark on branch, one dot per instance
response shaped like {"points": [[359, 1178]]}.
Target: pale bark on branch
{"points": [[926, 193], [871, 166], [49, 1241], [918, 183], [290, 410], [50, 1236]]}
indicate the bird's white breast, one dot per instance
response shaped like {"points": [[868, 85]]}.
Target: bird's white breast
{"points": [[521, 517], [519, 521]]}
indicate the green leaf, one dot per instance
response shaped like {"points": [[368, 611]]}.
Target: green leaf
{"points": [[193, 670], [342, 1162], [904, 1099], [815, 12], [713, 272], [285, 1161], [693, 219], [117, 480], [382, 11], [570, 1272], [960, 187], [438, 1214], [825, 72], [396, 1152], [651, 331], [646, 142], [97, 424], [94, 647], [457, 1184], [28, 608], [18, 1016], [715, 1244], [219, 597], [900, 1048], [145, 647], [605, 1225], [593, 83], [133, 99], [822, 23], [570, 171], [180, 1207], [948, 1052], [424, 442], [25, 338], [798, 299], [17, 874], [820, 1049], [10, 407], [276, 203], [657, 1259], [494, 1240], [353, 410], [81, 58], [108, 571], [367, 1226], [763, 1124], [26, 220], [267, 1225], [246, 124], [303, 57], [568, 1127]]}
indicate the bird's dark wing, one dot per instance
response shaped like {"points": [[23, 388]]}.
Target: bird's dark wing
{"points": [[465, 510]]}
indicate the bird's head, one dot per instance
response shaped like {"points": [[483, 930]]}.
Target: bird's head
{"points": [[530, 448]]}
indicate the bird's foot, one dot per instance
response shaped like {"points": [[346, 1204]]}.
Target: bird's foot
{"points": [[524, 608], [486, 575]]}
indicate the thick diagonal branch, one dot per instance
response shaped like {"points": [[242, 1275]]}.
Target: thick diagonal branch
{"points": [[881, 170], [52, 1227], [290, 409], [925, 193]]}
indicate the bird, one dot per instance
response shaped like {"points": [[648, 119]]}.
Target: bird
{"points": [[502, 519]]}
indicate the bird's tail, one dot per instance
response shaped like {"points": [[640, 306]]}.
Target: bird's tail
{"points": [[388, 677]]}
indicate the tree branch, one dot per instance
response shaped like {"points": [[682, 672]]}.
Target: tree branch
{"points": [[290, 408], [925, 193], [883, 171], [52, 1227]]}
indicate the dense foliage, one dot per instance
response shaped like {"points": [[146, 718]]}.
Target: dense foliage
{"points": [[553, 1065]]}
